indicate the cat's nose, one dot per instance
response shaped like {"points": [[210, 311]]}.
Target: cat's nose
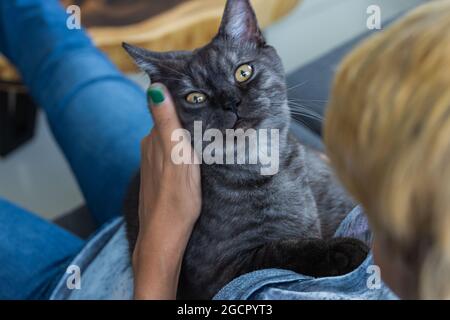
{"points": [[232, 105]]}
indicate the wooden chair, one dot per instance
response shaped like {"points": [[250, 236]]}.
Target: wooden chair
{"points": [[157, 25]]}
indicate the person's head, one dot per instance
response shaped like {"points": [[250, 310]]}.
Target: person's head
{"points": [[387, 134]]}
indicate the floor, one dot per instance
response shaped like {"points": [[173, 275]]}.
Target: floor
{"points": [[37, 177]]}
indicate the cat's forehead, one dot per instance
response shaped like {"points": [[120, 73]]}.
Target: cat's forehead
{"points": [[222, 53], [216, 61]]}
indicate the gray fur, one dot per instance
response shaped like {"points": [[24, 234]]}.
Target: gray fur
{"points": [[243, 210]]}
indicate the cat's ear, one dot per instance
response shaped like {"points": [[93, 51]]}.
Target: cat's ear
{"points": [[239, 22], [147, 61], [154, 63]]}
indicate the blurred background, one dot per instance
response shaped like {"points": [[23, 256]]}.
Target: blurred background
{"points": [[36, 176]]}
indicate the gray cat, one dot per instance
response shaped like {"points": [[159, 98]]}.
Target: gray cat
{"points": [[249, 221]]}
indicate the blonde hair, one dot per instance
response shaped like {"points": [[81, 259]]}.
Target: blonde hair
{"points": [[387, 133]]}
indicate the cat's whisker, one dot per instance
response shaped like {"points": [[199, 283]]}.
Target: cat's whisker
{"points": [[300, 121], [308, 116], [300, 110], [312, 114], [307, 100], [300, 105], [297, 86], [310, 104]]}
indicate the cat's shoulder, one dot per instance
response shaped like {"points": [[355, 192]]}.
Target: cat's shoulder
{"points": [[304, 158]]}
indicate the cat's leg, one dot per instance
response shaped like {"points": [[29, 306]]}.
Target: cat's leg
{"points": [[312, 257]]}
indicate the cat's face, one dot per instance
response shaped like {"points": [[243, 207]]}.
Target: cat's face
{"points": [[236, 81]]}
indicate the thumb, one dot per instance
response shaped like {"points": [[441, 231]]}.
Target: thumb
{"points": [[163, 112]]}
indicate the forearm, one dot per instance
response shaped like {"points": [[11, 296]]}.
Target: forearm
{"points": [[158, 257], [157, 277]]}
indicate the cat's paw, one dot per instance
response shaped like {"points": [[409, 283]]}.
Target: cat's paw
{"points": [[346, 254]]}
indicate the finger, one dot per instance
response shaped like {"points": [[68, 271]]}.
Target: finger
{"points": [[164, 113], [151, 149]]}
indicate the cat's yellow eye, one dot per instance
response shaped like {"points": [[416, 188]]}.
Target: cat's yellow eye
{"points": [[243, 73], [196, 98]]}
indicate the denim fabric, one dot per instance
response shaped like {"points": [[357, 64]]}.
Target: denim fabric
{"points": [[97, 116], [105, 267], [34, 254], [275, 284]]}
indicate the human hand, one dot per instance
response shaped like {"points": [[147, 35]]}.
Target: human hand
{"points": [[169, 205]]}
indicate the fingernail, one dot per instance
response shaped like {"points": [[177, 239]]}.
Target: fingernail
{"points": [[155, 95]]}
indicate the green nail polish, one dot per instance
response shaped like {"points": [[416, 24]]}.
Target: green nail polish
{"points": [[155, 95]]}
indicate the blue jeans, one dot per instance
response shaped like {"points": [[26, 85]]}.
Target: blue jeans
{"points": [[98, 118]]}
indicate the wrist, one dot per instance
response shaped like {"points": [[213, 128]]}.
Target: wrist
{"points": [[156, 275], [156, 266]]}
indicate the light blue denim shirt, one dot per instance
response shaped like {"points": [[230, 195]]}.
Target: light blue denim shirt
{"points": [[106, 273]]}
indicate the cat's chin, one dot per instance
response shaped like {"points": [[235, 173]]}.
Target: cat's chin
{"points": [[235, 121], [241, 124], [245, 124]]}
